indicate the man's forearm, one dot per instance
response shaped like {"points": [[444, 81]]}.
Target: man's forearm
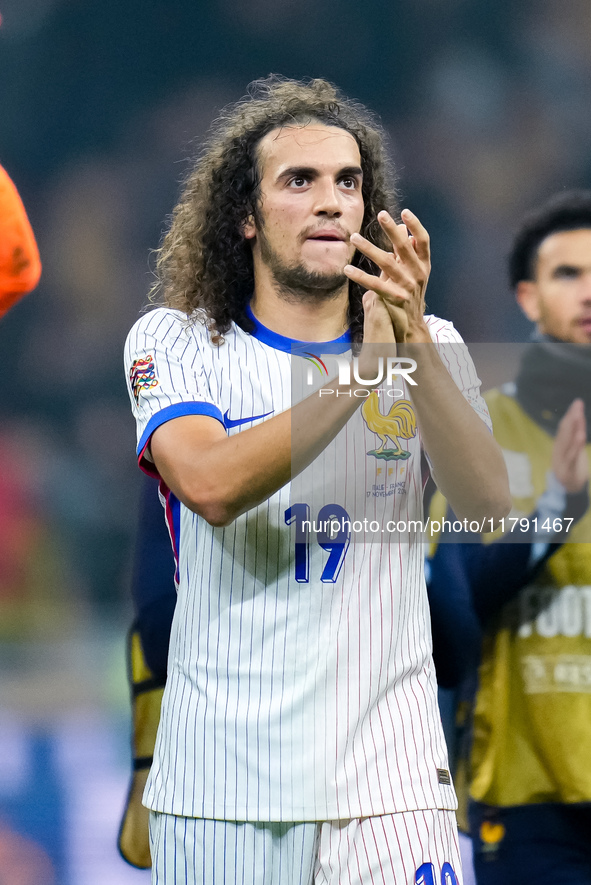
{"points": [[467, 462], [220, 476]]}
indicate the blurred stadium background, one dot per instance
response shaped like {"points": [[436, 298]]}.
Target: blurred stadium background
{"points": [[487, 105]]}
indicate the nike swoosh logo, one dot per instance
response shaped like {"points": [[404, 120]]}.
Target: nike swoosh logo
{"points": [[236, 422]]}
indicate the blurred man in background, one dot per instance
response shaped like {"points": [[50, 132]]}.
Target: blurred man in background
{"points": [[530, 777], [153, 593]]}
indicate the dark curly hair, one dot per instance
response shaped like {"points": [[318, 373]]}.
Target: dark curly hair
{"points": [[204, 261], [570, 210]]}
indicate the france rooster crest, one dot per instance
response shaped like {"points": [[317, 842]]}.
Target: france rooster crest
{"points": [[399, 423]]}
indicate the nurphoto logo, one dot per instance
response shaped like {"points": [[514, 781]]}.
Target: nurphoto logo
{"points": [[388, 369]]}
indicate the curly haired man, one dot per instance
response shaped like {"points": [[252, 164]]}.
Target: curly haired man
{"points": [[300, 739]]}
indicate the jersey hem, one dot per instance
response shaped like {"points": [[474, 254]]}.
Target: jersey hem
{"points": [[299, 815]]}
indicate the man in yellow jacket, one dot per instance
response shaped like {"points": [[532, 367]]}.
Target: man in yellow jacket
{"points": [[530, 775]]}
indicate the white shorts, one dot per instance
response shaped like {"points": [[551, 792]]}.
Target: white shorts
{"points": [[409, 848]]}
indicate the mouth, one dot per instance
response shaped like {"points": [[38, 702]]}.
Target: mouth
{"points": [[582, 327], [328, 235]]}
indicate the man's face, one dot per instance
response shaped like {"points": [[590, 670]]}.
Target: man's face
{"points": [[558, 300], [310, 204]]}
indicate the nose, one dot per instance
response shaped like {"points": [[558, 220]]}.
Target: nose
{"points": [[328, 199]]}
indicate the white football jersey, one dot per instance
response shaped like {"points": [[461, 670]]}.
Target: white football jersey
{"points": [[300, 679]]}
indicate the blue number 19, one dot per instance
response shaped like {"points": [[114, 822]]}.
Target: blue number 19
{"points": [[334, 516], [300, 514], [333, 535], [425, 875]]}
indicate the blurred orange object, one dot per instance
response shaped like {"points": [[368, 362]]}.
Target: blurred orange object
{"points": [[20, 266]]}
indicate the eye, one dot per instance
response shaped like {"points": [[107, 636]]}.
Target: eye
{"points": [[298, 181], [349, 182], [566, 272]]}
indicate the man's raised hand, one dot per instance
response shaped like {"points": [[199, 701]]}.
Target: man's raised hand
{"points": [[569, 455], [404, 273]]}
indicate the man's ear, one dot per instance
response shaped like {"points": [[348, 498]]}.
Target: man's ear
{"points": [[249, 229], [528, 300]]}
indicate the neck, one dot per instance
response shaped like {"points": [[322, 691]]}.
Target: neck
{"points": [[305, 318]]}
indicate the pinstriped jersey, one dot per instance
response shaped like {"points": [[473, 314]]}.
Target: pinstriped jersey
{"points": [[300, 679]]}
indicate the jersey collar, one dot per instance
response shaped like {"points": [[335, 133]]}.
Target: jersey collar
{"points": [[292, 345]]}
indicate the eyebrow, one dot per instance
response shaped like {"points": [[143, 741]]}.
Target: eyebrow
{"points": [[561, 268], [311, 172]]}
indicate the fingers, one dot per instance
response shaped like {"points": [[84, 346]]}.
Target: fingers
{"points": [[572, 453], [578, 407], [383, 285], [409, 263], [410, 238], [403, 273], [377, 325], [382, 323], [418, 234], [406, 274], [391, 263], [572, 428], [398, 235], [569, 457]]}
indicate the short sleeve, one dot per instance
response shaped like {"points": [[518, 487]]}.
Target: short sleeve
{"points": [[456, 358], [166, 375]]}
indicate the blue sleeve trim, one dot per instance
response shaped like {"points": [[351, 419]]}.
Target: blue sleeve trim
{"points": [[179, 410]]}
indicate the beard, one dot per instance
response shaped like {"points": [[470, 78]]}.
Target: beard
{"points": [[295, 282]]}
